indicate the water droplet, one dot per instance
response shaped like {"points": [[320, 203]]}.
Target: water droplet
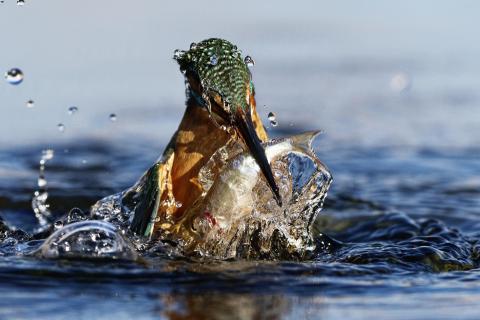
{"points": [[272, 118], [72, 110], [193, 46], [14, 76], [61, 127], [20, 3], [48, 154], [30, 104], [58, 224], [177, 54], [42, 182], [113, 117], [213, 60], [249, 61], [40, 197]]}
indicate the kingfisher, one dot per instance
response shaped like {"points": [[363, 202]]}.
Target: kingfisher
{"points": [[220, 120]]}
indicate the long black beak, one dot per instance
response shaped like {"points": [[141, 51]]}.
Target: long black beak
{"points": [[244, 125]]}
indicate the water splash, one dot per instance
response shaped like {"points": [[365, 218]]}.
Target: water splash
{"points": [[40, 196], [88, 239], [238, 216], [14, 76]]}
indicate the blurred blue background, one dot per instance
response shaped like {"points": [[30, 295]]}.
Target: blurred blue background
{"points": [[371, 73]]}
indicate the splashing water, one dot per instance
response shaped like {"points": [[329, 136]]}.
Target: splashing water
{"points": [[14, 76], [88, 239], [237, 215], [40, 196]]}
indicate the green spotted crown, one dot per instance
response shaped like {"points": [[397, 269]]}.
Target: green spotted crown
{"points": [[219, 66]]}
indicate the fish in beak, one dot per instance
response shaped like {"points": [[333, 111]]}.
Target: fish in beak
{"points": [[244, 125], [220, 81]]}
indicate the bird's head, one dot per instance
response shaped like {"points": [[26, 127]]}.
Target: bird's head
{"points": [[220, 81]]}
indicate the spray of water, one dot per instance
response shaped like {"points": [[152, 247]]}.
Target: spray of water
{"points": [[40, 196]]}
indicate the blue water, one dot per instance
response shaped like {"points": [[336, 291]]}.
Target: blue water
{"points": [[404, 204]]}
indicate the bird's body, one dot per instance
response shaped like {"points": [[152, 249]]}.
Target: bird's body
{"points": [[194, 143]]}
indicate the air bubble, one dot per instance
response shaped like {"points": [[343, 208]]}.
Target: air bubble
{"points": [[40, 197], [75, 241], [14, 76]]}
